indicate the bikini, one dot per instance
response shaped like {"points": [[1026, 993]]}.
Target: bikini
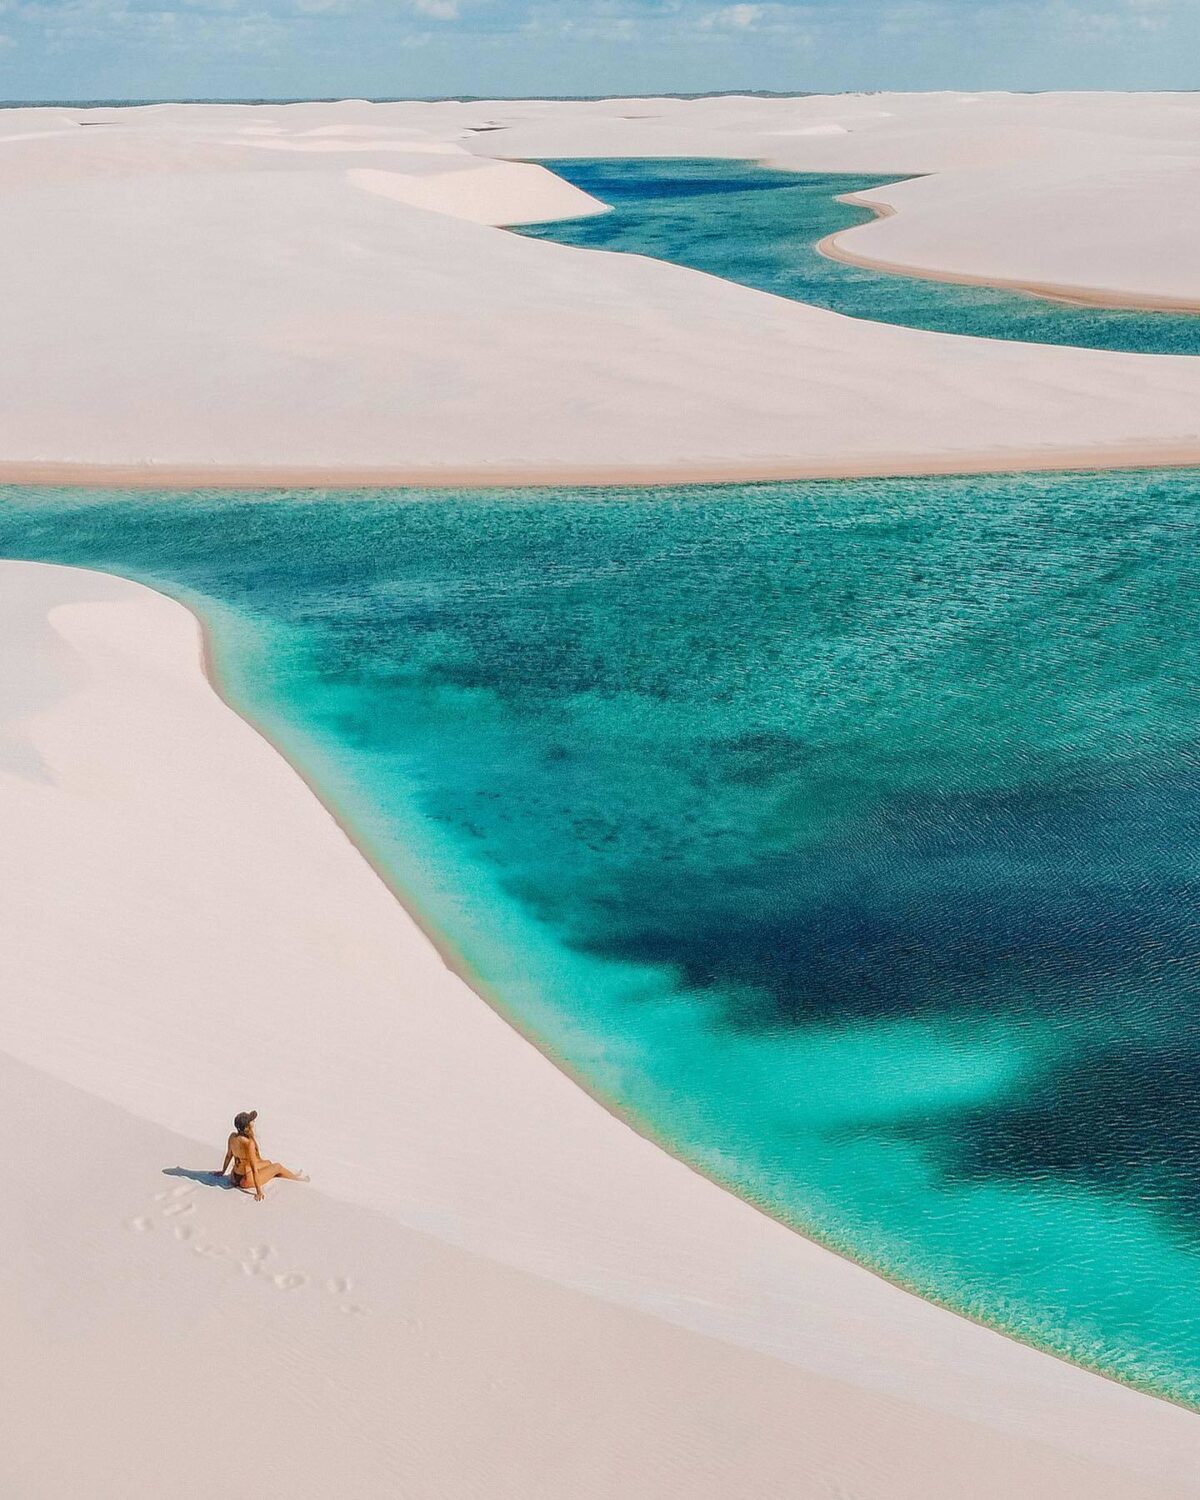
{"points": [[240, 1175]]}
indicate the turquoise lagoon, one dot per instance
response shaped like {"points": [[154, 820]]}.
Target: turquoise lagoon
{"points": [[754, 225], [844, 836]]}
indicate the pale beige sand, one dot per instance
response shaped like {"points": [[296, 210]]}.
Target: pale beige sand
{"points": [[1091, 193], [547, 1304], [901, 133], [299, 293], [989, 227], [493, 1287]]}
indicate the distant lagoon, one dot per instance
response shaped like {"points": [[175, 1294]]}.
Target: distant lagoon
{"points": [[844, 836], [759, 226]]}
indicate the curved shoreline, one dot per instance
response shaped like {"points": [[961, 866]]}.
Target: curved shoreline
{"points": [[456, 963], [454, 340], [1077, 296], [648, 1243]]}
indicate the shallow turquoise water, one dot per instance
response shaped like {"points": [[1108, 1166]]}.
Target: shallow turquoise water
{"points": [[750, 224], [844, 835]]}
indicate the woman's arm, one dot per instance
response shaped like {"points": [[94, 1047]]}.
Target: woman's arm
{"points": [[225, 1164], [258, 1192]]}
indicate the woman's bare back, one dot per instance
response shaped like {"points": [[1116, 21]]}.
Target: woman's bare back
{"points": [[248, 1168]]}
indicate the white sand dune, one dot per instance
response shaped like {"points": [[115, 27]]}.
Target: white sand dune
{"points": [[901, 133], [492, 1287], [293, 293], [482, 192], [1090, 192], [989, 226]]}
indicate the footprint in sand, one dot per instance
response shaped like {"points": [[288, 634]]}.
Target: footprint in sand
{"points": [[252, 1262], [180, 1190], [342, 1286], [256, 1259]]}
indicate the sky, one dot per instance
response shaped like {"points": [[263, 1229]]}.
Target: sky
{"points": [[146, 49]]}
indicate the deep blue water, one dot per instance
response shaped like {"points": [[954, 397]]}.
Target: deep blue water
{"points": [[757, 226], [845, 835]]}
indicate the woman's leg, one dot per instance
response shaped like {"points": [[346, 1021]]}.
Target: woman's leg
{"points": [[269, 1170]]}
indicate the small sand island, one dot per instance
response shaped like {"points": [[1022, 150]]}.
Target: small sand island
{"points": [[494, 1286]]}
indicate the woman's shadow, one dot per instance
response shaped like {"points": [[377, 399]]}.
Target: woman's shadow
{"points": [[205, 1179]]}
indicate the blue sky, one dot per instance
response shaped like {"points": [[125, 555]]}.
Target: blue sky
{"points": [[275, 48]]}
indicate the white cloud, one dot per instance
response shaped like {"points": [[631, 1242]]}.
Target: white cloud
{"points": [[733, 18], [227, 25], [1067, 22], [668, 23], [791, 24], [600, 23], [437, 10], [915, 18], [1148, 15]]}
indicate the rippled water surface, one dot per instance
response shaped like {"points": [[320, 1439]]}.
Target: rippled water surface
{"points": [[845, 835], [750, 224]]}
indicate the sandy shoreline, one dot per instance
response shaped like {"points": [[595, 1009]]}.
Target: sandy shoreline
{"points": [[1077, 296], [320, 294], [1090, 192], [463, 1132], [218, 477], [459, 966], [496, 1286]]}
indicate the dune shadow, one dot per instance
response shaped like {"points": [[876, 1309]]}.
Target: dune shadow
{"points": [[206, 1179]]}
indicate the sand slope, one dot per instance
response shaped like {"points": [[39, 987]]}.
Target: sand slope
{"points": [[549, 1304], [493, 1288], [1096, 192], [994, 226], [316, 292]]}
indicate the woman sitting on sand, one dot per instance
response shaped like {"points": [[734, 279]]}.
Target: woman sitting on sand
{"points": [[249, 1169]]}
